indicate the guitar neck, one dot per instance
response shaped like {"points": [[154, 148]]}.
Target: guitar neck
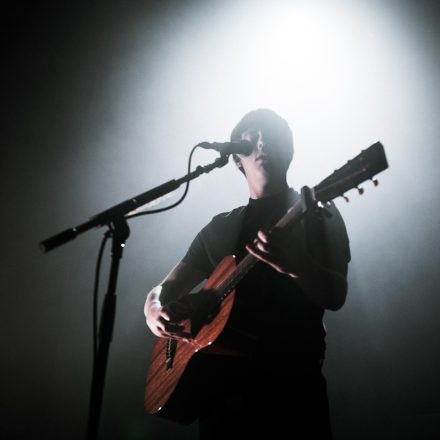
{"points": [[362, 167]]}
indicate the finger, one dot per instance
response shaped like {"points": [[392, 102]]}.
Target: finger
{"points": [[270, 247], [267, 258], [160, 327], [263, 247], [274, 260], [165, 315], [160, 333], [262, 244], [165, 321], [263, 236], [279, 237]]}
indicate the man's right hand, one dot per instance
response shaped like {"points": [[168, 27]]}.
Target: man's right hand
{"points": [[166, 322], [159, 321]]}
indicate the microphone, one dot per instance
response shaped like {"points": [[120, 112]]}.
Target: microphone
{"points": [[238, 147]]}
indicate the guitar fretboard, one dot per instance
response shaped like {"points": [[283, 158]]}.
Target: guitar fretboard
{"points": [[364, 166]]}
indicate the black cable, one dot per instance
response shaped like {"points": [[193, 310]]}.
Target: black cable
{"points": [[99, 260], [95, 294], [101, 251], [153, 211]]}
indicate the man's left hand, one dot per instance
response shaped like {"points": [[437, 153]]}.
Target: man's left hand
{"points": [[283, 249]]}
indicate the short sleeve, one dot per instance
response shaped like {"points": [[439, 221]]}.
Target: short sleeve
{"points": [[197, 256], [215, 241]]}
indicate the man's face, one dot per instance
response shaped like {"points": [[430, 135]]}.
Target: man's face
{"points": [[268, 157]]}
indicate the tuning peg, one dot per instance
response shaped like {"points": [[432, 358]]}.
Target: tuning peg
{"points": [[345, 198], [375, 182], [360, 190]]}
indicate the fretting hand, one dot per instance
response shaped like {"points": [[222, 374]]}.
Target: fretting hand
{"points": [[282, 249]]}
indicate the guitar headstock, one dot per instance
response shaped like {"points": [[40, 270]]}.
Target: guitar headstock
{"points": [[365, 166]]}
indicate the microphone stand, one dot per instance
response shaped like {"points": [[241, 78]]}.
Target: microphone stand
{"points": [[119, 232]]}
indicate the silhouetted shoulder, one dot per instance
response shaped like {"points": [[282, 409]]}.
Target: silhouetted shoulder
{"points": [[215, 241]]}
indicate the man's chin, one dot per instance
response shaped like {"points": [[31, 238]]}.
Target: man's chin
{"points": [[270, 167]]}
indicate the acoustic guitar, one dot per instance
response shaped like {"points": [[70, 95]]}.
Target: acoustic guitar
{"points": [[170, 357]]}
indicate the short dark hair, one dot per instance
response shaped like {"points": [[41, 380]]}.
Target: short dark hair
{"points": [[264, 118]]}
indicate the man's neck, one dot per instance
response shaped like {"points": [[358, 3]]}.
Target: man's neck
{"points": [[266, 187]]}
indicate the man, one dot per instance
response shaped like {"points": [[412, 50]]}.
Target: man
{"points": [[272, 348]]}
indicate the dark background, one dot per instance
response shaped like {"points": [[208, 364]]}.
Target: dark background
{"points": [[77, 138]]}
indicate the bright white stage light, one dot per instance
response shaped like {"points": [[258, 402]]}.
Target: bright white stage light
{"points": [[343, 74]]}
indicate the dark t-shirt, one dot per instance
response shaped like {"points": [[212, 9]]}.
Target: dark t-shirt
{"points": [[271, 312]]}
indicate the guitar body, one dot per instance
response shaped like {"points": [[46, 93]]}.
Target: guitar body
{"points": [[163, 376]]}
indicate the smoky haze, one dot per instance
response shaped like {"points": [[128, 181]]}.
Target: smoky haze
{"points": [[105, 100]]}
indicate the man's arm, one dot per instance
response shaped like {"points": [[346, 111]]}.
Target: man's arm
{"points": [[285, 251], [180, 281], [326, 287]]}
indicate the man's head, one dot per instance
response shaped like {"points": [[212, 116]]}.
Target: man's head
{"points": [[272, 139]]}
